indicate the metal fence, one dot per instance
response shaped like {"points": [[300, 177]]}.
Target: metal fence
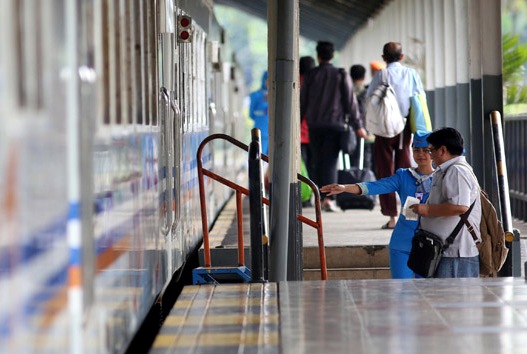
{"points": [[515, 136]]}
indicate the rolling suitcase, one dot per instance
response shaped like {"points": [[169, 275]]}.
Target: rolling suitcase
{"points": [[355, 175]]}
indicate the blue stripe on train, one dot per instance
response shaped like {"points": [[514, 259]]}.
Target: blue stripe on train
{"points": [[58, 280]]}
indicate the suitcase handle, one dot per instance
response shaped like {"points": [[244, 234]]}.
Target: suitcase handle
{"points": [[361, 156]]}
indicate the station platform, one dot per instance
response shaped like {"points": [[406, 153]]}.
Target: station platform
{"points": [[360, 314], [484, 316]]}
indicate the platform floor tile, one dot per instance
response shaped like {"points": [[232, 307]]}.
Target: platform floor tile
{"points": [[432, 316], [235, 318]]}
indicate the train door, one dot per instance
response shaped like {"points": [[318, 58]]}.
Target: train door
{"points": [[183, 94], [170, 133], [175, 104]]}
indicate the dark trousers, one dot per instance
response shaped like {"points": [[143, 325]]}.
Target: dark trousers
{"points": [[388, 158], [325, 148], [308, 160]]}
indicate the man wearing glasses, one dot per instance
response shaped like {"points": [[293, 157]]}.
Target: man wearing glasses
{"points": [[454, 189]]}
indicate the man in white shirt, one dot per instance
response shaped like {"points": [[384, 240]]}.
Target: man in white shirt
{"points": [[393, 153], [454, 189]]}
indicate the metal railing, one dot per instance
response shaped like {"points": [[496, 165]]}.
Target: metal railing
{"points": [[240, 190], [515, 137]]}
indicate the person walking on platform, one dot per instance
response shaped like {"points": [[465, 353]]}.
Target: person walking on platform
{"points": [[305, 64], [258, 111], [393, 153], [358, 75], [454, 191], [322, 103], [407, 182]]}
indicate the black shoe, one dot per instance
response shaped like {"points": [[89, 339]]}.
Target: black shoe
{"points": [[307, 204]]}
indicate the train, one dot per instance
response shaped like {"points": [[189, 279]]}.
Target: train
{"points": [[103, 105]]}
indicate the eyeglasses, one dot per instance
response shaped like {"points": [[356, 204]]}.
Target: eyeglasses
{"points": [[423, 150], [432, 149]]}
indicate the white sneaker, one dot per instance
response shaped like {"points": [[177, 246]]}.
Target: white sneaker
{"points": [[330, 205]]}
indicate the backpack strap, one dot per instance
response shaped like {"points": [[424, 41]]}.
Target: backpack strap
{"points": [[464, 216], [384, 77], [464, 220]]}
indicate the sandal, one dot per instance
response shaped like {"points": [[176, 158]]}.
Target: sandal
{"points": [[387, 226]]}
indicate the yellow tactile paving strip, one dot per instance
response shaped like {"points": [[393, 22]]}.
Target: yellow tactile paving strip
{"points": [[227, 318]]}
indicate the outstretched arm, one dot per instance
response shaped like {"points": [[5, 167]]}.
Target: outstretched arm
{"points": [[333, 189]]}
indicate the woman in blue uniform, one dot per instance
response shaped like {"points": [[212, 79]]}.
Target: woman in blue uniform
{"points": [[407, 182], [258, 111]]}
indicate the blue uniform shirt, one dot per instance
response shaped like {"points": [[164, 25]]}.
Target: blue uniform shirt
{"points": [[258, 111]]}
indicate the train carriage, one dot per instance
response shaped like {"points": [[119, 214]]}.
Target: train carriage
{"points": [[102, 107]]}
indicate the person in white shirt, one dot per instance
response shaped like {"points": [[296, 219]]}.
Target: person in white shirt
{"points": [[454, 189], [393, 153]]}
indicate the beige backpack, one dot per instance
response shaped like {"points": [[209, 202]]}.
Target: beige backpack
{"points": [[492, 249]]}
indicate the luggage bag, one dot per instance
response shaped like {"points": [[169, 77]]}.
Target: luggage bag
{"points": [[355, 175]]}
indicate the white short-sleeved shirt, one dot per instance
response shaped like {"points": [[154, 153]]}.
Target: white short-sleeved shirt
{"points": [[455, 183], [404, 81]]}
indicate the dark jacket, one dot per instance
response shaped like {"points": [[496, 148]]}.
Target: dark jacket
{"points": [[321, 99]]}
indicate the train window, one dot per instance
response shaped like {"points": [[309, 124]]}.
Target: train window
{"points": [[122, 53], [29, 53], [103, 62], [137, 79], [107, 62], [145, 102], [126, 60], [182, 96], [152, 91], [115, 60]]}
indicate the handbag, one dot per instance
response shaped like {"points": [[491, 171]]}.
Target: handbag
{"points": [[427, 249], [347, 137], [419, 113]]}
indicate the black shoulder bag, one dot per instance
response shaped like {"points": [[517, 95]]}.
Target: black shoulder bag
{"points": [[427, 248], [347, 139]]}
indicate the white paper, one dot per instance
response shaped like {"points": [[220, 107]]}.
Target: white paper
{"points": [[407, 212]]}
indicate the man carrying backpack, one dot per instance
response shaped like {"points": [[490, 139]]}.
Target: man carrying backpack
{"points": [[393, 152], [455, 191]]}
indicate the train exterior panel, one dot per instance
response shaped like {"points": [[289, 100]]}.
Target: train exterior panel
{"points": [[102, 107]]}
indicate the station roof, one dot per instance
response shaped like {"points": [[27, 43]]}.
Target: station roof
{"points": [[329, 20]]}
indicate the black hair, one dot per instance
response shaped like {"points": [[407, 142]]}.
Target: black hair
{"points": [[357, 72], [306, 64], [325, 50], [450, 138], [392, 52]]}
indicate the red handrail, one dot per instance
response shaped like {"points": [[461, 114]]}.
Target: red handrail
{"points": [[317, 224]]}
